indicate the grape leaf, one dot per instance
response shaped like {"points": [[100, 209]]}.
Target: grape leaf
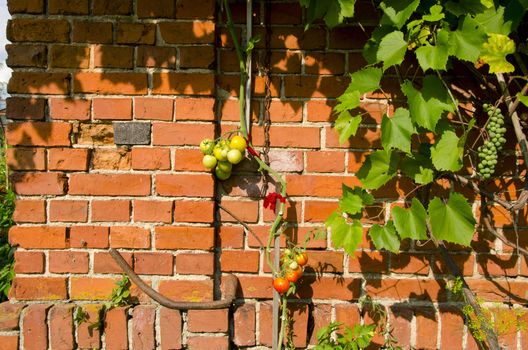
{"points": [[492, 21], [350, 203], [378, 168], [346, 125], [418, 168], [494, 52], [350, 99], [523, 99], [366, 80], [366, 197], [447, 152], [333, 16], [385, 237], [397, 12], [427, 106], [465, 42], [370, 49], [347, 7], [344, 235], [396, 131], [435, 15], [392, 49], [410, 223], [434, 56], [452, 222]]}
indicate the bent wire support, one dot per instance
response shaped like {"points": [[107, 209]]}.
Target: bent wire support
{"points": [[229, 284]]}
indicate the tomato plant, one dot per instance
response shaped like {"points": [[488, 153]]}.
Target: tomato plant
{"points": [[281, 285]]}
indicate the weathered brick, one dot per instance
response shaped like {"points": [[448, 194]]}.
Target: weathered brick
{"points": [[108, 56], [196, 32], [195, 264], [38, 30], [111, 159], [184, 185], [29, 262], [39, 288], [183, 84], [153, 108], [195, 109], [34, 56], [115, 328], [146, 158], [193, 290], [89, 237], [115, 7], [110, 184], [51, 237], [68, 159], [213, 321], [110, 210], [156, 56], [9, 315], [69, 56], [34, 327], [30, 210], [153, 263], [92, 32], [244, 325], [89, 338], [26, 158], [25, 6], [194, 211], [153, 211], [25, 108], [196, 57], [110, 83], [61, 327], [129, 237], [68, 7], [177, 237], [143, 319], [180, 134], [68, 210], [170, 328], [136, 33], [69, 109], [68, 262]]}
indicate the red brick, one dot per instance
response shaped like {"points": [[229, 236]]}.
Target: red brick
{"points": [[285, 62], [153, 108], [158, 9], [417, 264], [298, 38], [68, 210], [244, 325], [153, 263], [185, 185], [194, 291], [239, 261], [153, 211], [89, 237], [115, 328], [146, 158], [38, 134], [324, 261], [155, 56], [195, 264], [69, 56], [180, 134], [69, 109], [194, 9], [255, 287], [29, 262], [89, 338], [246, 211], [29, 210], [498, 264], [177, 237], [292, 212], [143, 319], [110, 184], [104, 263], [355, 161], [34, 327], [38, 237], [289, 136], [426, 323], [112, 108], [183, 83], [365, 138], [25, 108], [60, 319], [26, 158], [403, 289], [400, 320], [318, 185], [318, 211], [286, 160], [136, 33], [325, 162], [108, 56], [38, 29], [92, 32], [39, 83], [34, 56], [194, 211], [324, 63], [129, 237], [110, 210], [197, 32], [211, 321], [111, 159], [26, 6], [452, 330], [68, 159], [208, 342], [91, 288], [9, 342], [116, 7], [369, 262], [322, 314], [39, 288], [265, 324], [314, 86], [188, 160], [68, 262], [10, 315], [110, 83], [195, 109], [68, 7], [285, 111], [197, 57], [348, 37], [170, 328], [320, 110]]}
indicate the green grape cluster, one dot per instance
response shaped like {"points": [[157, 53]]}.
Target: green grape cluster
{"points": [[489, 151]]}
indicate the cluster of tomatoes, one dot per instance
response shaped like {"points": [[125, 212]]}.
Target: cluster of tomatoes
{"points": [[292, 269], [220, 156]]}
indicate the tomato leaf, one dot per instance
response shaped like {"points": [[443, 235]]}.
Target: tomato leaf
{"points": [[410, 223], [392, 49], [345, 235], [378, 169], [385, 237], [452, 222], [396, 132]]}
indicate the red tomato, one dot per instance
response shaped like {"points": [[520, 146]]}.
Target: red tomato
{"points": [[293, 275], [281, 285], [302, 259]]}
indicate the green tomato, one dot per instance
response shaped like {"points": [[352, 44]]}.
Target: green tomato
{"points": [[221, 175], [225, 167], [207, 146], [234, 156], [220, 153], [209, 162]]}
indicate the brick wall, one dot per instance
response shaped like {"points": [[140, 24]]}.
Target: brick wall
{"points": [[168, 67]]}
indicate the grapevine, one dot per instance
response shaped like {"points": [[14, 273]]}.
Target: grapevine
{"points": [[488, 153]]}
